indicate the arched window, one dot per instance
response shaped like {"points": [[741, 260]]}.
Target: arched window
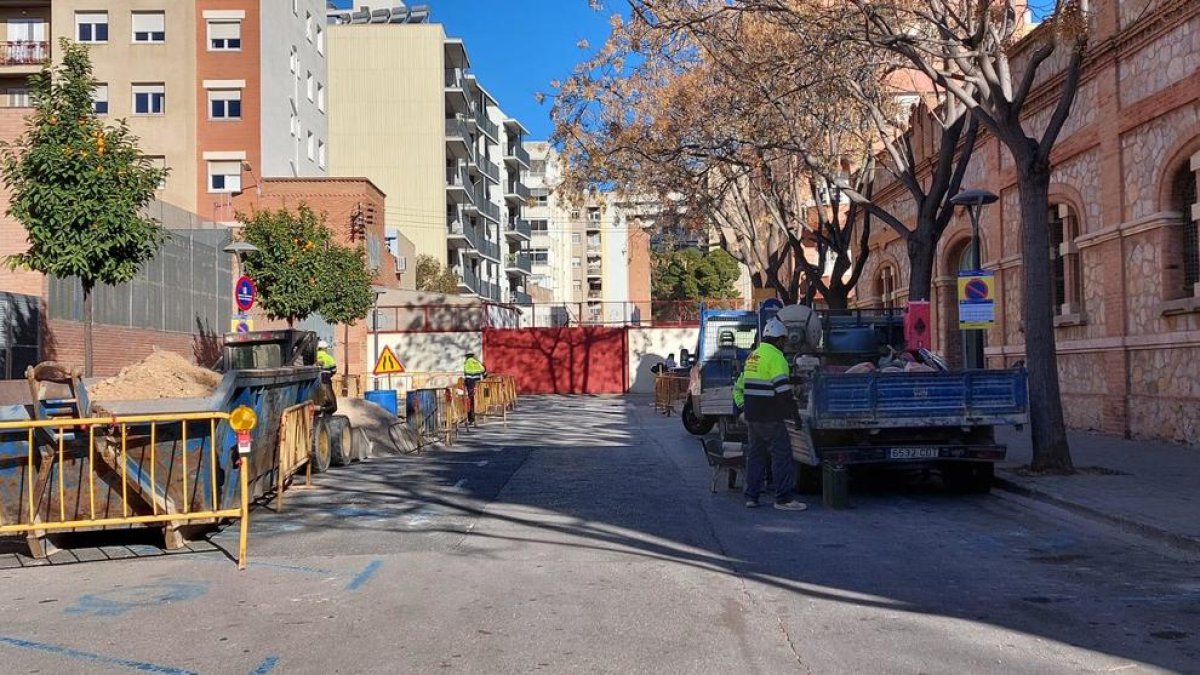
{"points": [[885, 286], [1183, 193], [1065, 268]]}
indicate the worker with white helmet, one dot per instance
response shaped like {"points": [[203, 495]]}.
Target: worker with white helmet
{"points": [[324, 358], [764, 392]]}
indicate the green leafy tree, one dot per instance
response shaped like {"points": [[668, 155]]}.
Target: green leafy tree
{"points": [[300, 270], [432, 278], [80, 187], [692, 274]]}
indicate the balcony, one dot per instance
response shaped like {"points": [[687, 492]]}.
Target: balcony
{"points": [[490, 170], [23, 55], [594, 271], [516, 191], [460, 233], [489, 291], [488, 128], [456, 93], [458, 185], [487, 209], [519, 264], [458, 138], [518, 229], [516, 154], [521, 298], [468, 280], [595, 295], [488, 248]]}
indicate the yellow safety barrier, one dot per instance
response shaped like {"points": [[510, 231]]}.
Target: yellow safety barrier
{"points": [[454, 408], [113, 472], [669, 390], [497, 395], [295, 437], [350, 386]]}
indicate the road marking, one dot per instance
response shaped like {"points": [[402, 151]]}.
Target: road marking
{"points": [[120, 600], [268, 664], [59, 650], [364, 576]]}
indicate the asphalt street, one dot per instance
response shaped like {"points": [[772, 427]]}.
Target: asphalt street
{"points": [[584, 538]]}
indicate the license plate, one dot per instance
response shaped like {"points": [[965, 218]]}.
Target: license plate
{"points": [[913, 453]]}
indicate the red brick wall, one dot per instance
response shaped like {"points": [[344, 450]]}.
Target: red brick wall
{"points": [[116, 347]]}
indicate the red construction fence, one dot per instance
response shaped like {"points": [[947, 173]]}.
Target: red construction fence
{"points": [[582, 360]]}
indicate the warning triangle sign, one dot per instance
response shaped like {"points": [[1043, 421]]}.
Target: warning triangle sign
{"points": [[388, 364]]}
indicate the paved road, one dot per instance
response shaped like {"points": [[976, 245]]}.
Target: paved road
{"points": [[584, 538]]}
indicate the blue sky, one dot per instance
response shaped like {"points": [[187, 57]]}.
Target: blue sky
{"points": [[518, 46]]}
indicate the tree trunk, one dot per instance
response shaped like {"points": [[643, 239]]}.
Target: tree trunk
{"points": [[838, 300], [1050, 450], [921, 256], [87, 330]]}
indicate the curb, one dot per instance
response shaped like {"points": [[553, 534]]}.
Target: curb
{"points": [[1178, 541]]}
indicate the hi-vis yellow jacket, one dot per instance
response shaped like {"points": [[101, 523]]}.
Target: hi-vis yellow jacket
{"points": [[763, 389]]}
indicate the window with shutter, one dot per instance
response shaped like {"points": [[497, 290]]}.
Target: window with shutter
{"points": [[224, 36], [149, 27]]}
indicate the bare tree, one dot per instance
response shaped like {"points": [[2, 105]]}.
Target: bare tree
{"points": [[978, 52], [654, 113]]}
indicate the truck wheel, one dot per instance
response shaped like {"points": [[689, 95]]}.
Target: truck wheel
{"points": [[697, 425], [322, 445], [342, 450], [968, 477], [808, 479]]}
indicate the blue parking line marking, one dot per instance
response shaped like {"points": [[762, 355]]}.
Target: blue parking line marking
{"points": [[364, 576], [268, 664], [59, 650]]}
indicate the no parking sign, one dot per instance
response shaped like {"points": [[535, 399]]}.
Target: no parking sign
{"points": [[244, 293], [976, 300]]}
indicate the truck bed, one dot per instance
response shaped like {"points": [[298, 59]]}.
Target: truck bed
{"points": [[948, 399]]}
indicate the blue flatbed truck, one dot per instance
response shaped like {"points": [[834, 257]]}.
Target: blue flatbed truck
{"points": [[942, 421]]}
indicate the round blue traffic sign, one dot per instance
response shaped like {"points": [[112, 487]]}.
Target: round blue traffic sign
{"points": [[244, 293]]}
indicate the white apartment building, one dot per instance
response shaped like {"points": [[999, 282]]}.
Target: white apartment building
{"points": [[407, 112]]}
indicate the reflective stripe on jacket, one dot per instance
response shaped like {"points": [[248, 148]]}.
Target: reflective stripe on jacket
{"points": [[473, 368], [763, 388]]}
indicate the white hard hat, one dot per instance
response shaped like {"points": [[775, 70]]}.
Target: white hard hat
{"points": [[321, 344], [774, 329]]}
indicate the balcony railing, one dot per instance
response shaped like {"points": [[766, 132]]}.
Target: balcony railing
{"points": [[488, 248], [518, 228], [490, 169], [467, 279], [522, 298], [488, 128], [516, 190], [517, 153], [520, 262], [456, 177], [454, 78], [460, 229], [24, 53], [594, 271], [487, 208]]}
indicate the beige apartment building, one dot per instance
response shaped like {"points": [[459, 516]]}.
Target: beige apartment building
{"points": [[407, 112]]}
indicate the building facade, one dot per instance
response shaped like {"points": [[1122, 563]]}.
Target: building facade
{"points": [[223, 92], [407, 112], [1123, 217]]}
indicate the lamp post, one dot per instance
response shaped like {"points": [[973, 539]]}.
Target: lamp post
{"points": [[974, 201], [377, 291]]}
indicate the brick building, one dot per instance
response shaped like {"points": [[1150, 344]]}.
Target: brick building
{"points": [[1124, 214]]}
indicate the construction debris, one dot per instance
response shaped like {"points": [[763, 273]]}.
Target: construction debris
{"points": [[161, 375]]}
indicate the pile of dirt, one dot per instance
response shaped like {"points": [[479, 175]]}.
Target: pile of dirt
{"points": [[385, 433], [161, 375]]}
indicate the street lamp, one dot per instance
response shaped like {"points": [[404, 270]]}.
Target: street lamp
{"points": [[376, 291], [974, 201]]}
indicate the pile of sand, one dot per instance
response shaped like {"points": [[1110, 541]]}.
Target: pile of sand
{"points": [[385, 433], [161, 375]]}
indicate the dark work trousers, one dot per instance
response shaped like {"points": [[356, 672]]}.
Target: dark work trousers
{"points": [[471, 381], [769, 445]]}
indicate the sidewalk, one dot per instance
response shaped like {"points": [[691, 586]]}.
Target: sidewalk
{"points": [[1147, 487]]}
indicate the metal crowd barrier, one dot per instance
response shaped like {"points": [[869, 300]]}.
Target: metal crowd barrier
{"points": [[669, 391], [73, 474]]}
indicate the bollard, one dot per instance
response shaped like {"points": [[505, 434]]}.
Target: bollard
{"points": [[834, 486]]}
